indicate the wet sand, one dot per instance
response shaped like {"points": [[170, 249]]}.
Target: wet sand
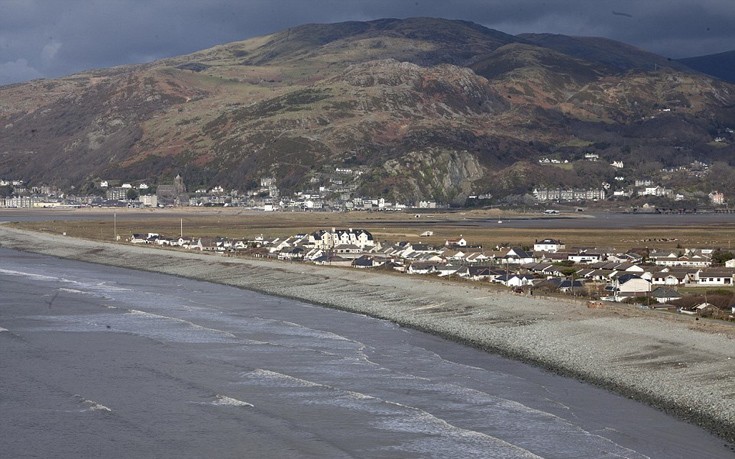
{"points": [[678, 364]]}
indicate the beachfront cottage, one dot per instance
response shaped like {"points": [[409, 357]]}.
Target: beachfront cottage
{"points": [[313, 254], [422, 268], [563, 285], [333, 260], [367, 261], [630, 285], [292, 254], [447, 270], [347, 250], [515, 280], [665, 294], [138, 238]]}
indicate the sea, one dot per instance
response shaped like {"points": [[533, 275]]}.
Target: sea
{"points": [[99, 361]]}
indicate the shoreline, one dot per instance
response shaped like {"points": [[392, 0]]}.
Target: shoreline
{"points": [[681, 366]]}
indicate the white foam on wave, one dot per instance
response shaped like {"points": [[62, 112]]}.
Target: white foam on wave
{"points": [[160, 328], [149, 315], [92, 405], [223, 400], [516, 420], [394, 417], [501, 414], [275, 379], [464, 442], [73, 290], [3, 329], [34, 276], [88, 288]]}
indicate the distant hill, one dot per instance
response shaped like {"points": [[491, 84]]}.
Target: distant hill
{"points": [[720, 65], [423, 108]]}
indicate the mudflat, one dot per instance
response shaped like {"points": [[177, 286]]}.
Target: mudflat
{"points": [[679, 364]]}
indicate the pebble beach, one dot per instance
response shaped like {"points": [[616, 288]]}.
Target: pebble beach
{"points": [[678, 364]]}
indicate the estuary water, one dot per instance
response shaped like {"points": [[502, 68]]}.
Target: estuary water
{"points": [[97, 361]]}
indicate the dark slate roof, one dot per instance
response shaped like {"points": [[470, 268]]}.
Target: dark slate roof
{"points": [[626, 277], [665, 292]]}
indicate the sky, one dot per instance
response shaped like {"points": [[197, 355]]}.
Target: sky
{"points": [[52, 38]]}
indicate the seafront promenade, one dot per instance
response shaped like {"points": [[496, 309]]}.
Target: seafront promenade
{"points": [[679, 364]]}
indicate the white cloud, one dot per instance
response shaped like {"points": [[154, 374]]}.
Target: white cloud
{"points": [[48, 53], [17, 71]]}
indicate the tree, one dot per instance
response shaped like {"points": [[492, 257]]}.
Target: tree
{"points": [[6, 191], [719, 257], [132, 194]]}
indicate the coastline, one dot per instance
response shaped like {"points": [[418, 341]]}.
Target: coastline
{"points": [[682, 366]]}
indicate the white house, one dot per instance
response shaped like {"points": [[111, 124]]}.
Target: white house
{"points": [[518, 256], [722, 277], [629, 285], [668, 278], [548, 245], [461, 242], [584, 257], [324, 239], [515, 280], [665, 294]]}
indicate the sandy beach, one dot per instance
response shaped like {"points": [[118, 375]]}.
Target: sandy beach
{"points": [[681, 365]]}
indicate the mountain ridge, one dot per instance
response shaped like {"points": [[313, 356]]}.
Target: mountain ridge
{"points": [[720, 65], [396, 98]]}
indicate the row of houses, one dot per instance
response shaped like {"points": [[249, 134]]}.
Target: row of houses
{"points": [[614, 276]]}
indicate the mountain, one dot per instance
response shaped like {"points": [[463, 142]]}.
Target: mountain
{"points": [[423, 108], [721, 65]]}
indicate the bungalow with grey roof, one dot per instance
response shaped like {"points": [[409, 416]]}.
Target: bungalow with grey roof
{"points": [[516, 255], [710, 277], [665, 294]]}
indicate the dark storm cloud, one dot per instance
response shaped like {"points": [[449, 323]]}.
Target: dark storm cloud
{"points": [[49, 38]]}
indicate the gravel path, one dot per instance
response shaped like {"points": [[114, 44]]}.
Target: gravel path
{"points": [[678, 364]]}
